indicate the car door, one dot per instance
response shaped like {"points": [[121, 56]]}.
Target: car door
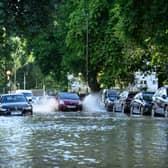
{"points": [[159, 101], [136, 103], [117, 102], [163, 99], [122, 101]]}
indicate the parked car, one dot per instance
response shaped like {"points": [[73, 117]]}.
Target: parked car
{"points": [[122, 103], [68, 101], [27, 93], [160, 102], [110, 96], [15, 104], [82, 96], [141, 103]]}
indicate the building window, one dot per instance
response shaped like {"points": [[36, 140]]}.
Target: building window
{"points": [[154, 82]]}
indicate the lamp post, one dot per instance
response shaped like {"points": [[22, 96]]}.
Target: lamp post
{"points": [[87, 51], [86, 14], [8, 73], [24, 81]]}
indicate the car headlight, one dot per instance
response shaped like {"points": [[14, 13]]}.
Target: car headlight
{"points": [[28, 108], [61, 102], [2, 108]]}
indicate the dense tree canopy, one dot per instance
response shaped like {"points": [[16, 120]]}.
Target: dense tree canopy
{"points": [[106, 41]]}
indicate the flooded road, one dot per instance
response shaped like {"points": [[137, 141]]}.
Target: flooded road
{"points": [[80, 139]]}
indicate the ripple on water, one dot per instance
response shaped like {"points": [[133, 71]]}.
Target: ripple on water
{"points": [[89, 140]]}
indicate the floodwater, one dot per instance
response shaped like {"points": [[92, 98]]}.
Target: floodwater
{"points": [[83, 140]]}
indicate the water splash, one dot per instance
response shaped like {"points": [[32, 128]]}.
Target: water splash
{"points": [[93, 103], [45, 104]]}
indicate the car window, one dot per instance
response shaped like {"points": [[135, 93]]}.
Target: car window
{"points": [[124, 94], [112, 94], [27, 94], [69, 96], [131, 95], [147, 97], [136, 96], [13, 99]]}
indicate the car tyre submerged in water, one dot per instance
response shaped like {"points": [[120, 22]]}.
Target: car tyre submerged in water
{"points": [[141, 110], [166, 111], [28, 113], [131, 110], [153, 111]]}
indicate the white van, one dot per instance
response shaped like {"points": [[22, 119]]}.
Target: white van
{"points": [[27, 93]]}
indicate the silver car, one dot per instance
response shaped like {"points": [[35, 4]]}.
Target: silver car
{"points": [[160, 102]]}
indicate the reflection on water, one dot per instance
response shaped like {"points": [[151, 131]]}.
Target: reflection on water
{"points": [[76, 139]]}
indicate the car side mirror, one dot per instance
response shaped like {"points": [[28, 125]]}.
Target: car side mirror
{"points": [[30, 100]]}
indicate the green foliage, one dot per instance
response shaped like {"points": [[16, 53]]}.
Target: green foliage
{"points": [[123, 36]]}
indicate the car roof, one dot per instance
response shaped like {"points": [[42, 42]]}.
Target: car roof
{"points": [[67, 93], [10, 94]]}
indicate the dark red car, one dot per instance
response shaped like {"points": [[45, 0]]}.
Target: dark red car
{"points": [[68, 102]]}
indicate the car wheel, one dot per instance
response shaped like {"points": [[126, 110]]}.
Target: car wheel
{"points": [[141, 110], [29, 113], [123, 109], [166, 111], [153, 111], [131, 110], [114, 109], [107, 107]]}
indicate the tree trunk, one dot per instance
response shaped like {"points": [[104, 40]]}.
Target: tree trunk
{"points": [[92, 82]]}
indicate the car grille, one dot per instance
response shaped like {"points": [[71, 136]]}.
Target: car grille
{"points": [[15, 108], [71, 103]]}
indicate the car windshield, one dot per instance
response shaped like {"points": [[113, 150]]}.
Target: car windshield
{"points": [[147, 97], [72, 96], [27, 94], [13, 99], [112, 94], [131, 95]]}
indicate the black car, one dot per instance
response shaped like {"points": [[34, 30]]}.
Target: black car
{"points": [[141, 103], [15, 104], [110, 96], [122, 103], [160, 102]]}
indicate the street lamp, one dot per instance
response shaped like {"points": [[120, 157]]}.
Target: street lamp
{"points": [[8, 73]]}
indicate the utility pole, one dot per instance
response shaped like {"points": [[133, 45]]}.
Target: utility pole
{"points": [[15, 75], [24, 81], [87, 51], [86, 14]]}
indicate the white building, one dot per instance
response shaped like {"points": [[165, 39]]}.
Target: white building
{"points": [[146, 80]]}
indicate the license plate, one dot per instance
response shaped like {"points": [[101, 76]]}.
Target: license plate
{"points": [[16, 112], [70, 106]]}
